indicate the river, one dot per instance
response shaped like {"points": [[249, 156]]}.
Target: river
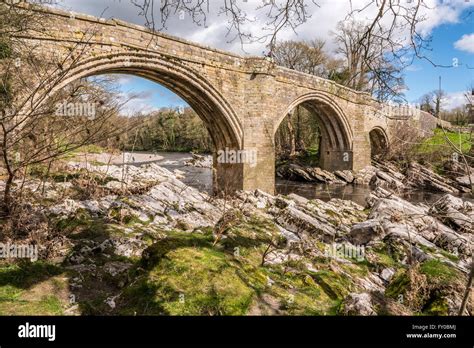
{"points": [[201, 178]]}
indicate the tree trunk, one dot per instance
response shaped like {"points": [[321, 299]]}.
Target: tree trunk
{"points": [[467, 291], [7, 205], [291, 133], [298, 130]]}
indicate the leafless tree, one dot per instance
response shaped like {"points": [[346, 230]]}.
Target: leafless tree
{"points": [[308, 57], [37, 125], [279, 15], [398, 24], [369, 67], [432, 102]]}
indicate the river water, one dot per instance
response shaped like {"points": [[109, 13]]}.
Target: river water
{"points": [[201, 178]]}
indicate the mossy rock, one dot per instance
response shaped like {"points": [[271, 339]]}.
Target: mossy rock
{"points": [[173, 241], [5, 50], [252, 232], [449, 255], [300, 294], [440, 273], [84, 226], [194, 281], [81, 218], [336, 286], [390, 252], [437, 306], [398, 285], [65, 177]]}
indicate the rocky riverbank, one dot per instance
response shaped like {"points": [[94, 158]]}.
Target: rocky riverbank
{"points": [[389, 176], [137, 241]]}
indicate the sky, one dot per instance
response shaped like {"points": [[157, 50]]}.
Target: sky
{"points": [[448, 22]]}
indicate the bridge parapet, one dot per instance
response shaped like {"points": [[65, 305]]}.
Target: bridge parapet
{"points": [[318, 83]]}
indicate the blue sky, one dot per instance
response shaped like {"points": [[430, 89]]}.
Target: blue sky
{"points": [[149, 95], [422, 76]]}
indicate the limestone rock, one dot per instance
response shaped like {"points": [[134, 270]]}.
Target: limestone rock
{"points": [[298, 222], [455, 169], [366, 231], [422, 177], [364, 176], [387, 274], [298, 172], [298, 199], [455, 212], [345, 175], [466, 181], [199, 161], [358, 304]]}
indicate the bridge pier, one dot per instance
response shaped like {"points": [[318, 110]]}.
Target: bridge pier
{"points": [[361, 152], [334, 159], [249, 176], [262, 175], [227, 177]]}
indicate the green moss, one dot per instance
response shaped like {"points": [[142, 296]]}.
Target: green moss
{"points": [[398, 284], [449, 256], [195, 281], [5, 50], [358, 269], [385, 260], [301, 294], [336, 286], [252, 233], [42, 171], [82, 225], [437, 307], [6, 94], [125, 216], [427, 249], [386, 256], [24, 274], [95, 149], [173, 241], [16, 280], [439, 272], [187, 275], [47, 305]]}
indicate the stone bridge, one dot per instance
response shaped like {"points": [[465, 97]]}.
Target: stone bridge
{"points": [[242, 100]]}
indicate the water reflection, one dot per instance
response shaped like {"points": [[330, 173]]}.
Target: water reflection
{"points": [[357, 194], [201, 179]]}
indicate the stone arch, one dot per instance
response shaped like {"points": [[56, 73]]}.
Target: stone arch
{"points": [[379, 142], [337, 135], [223, 124]]}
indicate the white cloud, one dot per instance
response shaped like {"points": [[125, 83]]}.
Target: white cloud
{"points": [[465, 43], [454, 100], [322, 22], [137, 103]]}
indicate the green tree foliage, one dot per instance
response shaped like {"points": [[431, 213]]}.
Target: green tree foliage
{"points": [[168, 130], [298, 135]]}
